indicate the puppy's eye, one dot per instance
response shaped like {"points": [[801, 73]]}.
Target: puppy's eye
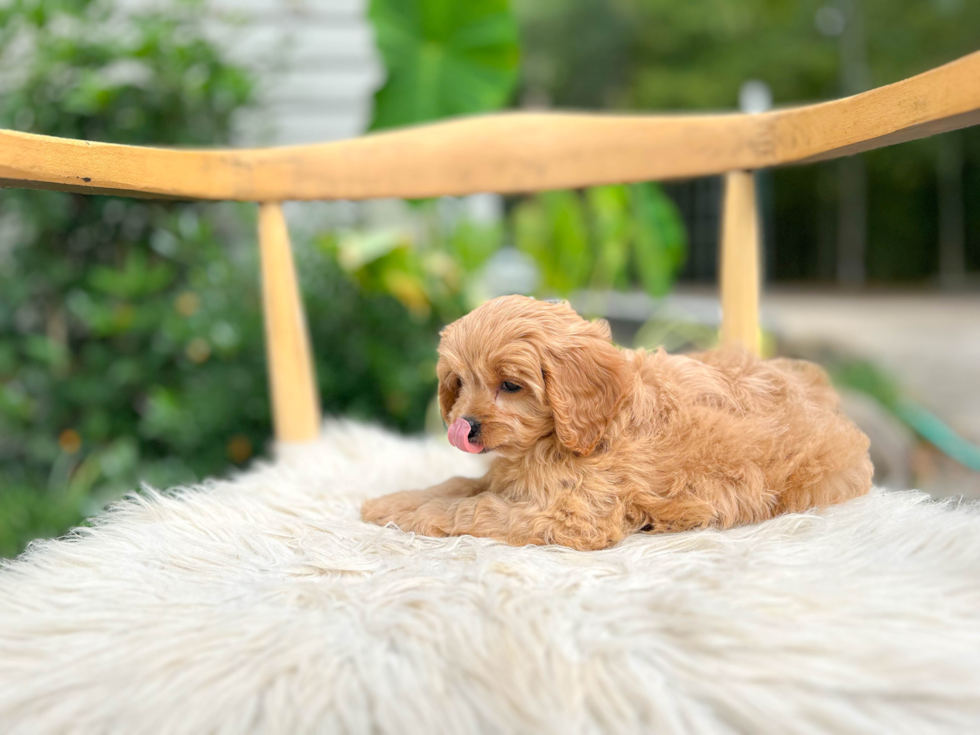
{"points": [[509, 387]]}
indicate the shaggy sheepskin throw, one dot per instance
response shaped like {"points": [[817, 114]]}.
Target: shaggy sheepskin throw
{"points": [[263, 604]]}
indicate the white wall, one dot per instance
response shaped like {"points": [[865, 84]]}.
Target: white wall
{"points": [[316, 61]]}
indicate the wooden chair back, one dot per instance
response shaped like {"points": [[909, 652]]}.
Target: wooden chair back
{"points": [[504, 153]]}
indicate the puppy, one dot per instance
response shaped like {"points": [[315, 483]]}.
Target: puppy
{"points": [[591, 443]]}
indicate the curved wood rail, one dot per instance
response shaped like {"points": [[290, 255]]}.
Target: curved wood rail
{"points": [[514, 152]]}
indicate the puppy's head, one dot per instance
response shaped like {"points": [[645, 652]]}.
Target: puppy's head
{"points": [[517, 370]]}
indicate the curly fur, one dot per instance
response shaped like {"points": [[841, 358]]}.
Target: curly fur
{"points": [[600, 443], [264, 605]]}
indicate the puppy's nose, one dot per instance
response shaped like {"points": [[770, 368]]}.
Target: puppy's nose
{"points": [[474, 428]]}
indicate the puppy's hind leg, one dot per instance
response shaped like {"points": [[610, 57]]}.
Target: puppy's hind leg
{"points": [[832, 488]]}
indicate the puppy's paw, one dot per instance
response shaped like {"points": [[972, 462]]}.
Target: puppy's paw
{"points": [[395, 508], [378, 510], [407, 510]]}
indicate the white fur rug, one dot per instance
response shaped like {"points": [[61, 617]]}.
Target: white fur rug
{"points": [[264, 605]]}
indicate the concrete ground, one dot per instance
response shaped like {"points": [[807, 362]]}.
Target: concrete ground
{"points": [[931, 343]]}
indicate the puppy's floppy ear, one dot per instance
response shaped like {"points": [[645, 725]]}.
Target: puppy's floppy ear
{"points": [[448, 389], [586, 379]]}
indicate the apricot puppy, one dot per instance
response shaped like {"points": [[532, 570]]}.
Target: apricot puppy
{"points": [[591, 443]]}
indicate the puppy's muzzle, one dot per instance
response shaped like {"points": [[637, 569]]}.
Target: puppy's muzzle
{"points": [[465, 434]]}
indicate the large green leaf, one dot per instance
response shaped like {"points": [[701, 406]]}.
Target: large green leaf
{"points": [[660, 242], [551, 228], [611, 222], [602, 240], [443, 58], [570, 240]]}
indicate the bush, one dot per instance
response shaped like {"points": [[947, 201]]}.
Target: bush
{"points": [[131, 344]]}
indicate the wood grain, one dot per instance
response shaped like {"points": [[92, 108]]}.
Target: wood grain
{"points": [[514, 152], [740, 263], [292, 381]]}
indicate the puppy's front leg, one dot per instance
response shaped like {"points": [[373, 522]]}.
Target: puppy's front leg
{"points": [[566, 521], [389, 508]]}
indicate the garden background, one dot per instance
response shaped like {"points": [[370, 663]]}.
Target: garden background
{"points": [[131, 346]]}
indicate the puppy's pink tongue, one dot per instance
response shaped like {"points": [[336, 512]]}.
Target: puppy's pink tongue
{"points": [[459, 434]]}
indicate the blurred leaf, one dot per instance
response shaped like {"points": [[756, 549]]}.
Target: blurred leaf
{"points": [[26, 513], [14, 403], [868, 378], [119, 459], [578, 245], [570, 241], [136, 278], [358, 248], [472, 245], [443, 58], [532, 230], [612, 221], [551, 228], [409, 289], [45, 350], [659, 242]]}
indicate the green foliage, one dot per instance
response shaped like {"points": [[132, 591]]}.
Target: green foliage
{"points": [[26, 514], [660, 239], [443, 58], [434, 271], [551, 228], [663, 55], [131, 342], [86, 76], [612, 237], [609, 237], [866, 377], [90, 340]]}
